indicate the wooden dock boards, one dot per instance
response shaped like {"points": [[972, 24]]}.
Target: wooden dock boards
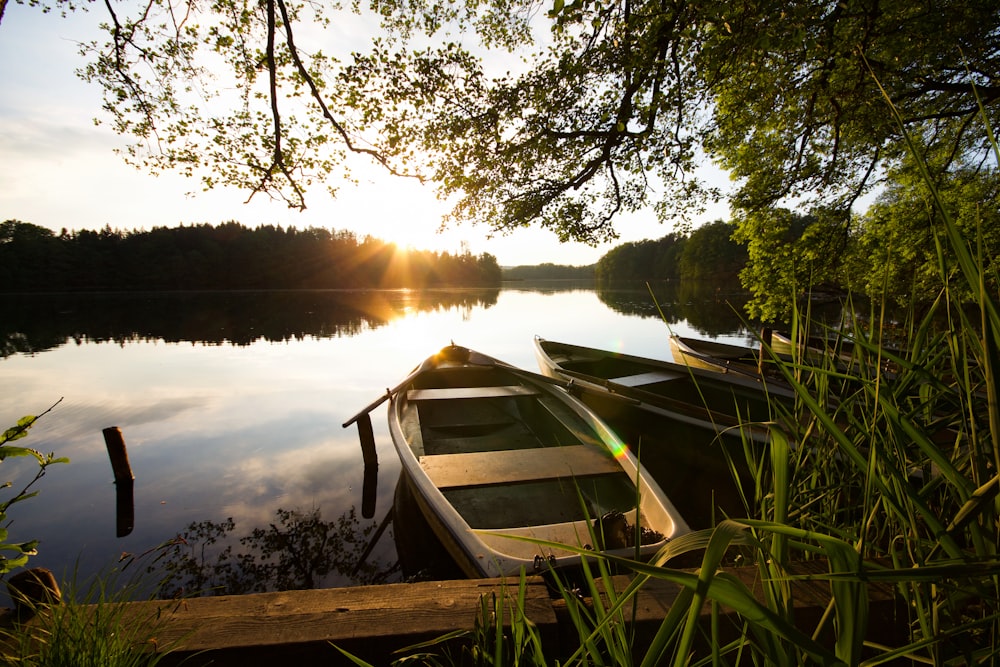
{"points": [[302, 627]]}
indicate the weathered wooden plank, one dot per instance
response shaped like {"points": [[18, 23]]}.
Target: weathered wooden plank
{"points": [[516, 465], [302, 627], [453, 393]]}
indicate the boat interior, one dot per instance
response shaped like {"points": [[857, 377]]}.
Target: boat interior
{"points": [[681, 385], [508, 455]]}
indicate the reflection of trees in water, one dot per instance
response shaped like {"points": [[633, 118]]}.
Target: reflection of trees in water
{"points": [[34, 323], [634, 299], [552, 286], [711, 307], [297, 551]]}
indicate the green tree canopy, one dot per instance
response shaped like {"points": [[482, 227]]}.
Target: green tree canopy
{"points": [[710, 253], [643, 260], [611, 109], [902, 236], [788, 255]]}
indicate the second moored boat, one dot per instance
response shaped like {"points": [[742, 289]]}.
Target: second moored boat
{"points": [[670, 390]]}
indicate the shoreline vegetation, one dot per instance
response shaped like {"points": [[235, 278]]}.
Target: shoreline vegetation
{"points": [[233, 257], [880, 474], [230, 256]]}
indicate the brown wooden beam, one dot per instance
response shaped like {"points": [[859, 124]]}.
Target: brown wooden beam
{"points": [[303, 627]]}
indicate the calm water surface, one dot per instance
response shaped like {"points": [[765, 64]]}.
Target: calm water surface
{"points": [[231, 406]]}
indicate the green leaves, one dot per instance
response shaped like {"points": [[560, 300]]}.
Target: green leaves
{"points": [[21, 551], [566, 120], [17, 432]]}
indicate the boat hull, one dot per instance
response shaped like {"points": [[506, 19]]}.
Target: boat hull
{"points": [[715, 356], [672, 391], [691, 428], [506, 466]]}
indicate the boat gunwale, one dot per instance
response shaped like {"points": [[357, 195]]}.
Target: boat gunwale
{"points": [[464, 542], [695, 414]]}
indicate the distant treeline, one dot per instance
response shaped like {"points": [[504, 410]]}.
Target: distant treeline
{"points": [[549, 271], [225, 257], [707, 253]]}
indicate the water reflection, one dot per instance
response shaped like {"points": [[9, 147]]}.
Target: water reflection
{"points": [[35, 323], [714, 308], [242, 429], [297, 550], [300, 550]]}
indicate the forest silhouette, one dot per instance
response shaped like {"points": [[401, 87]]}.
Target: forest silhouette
{"points": [[230, 256]]}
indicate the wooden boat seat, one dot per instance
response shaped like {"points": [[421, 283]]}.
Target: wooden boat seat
{"points": [[641, 379], [513, 437], [452, 393], [521, 465]]}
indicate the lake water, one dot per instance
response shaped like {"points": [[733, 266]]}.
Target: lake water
{"points": [[231, 407]]}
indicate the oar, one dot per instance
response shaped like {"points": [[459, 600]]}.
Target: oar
{"points": [[367, 437], [564, 384], [389, 393], [666, 402], [622, 393]]}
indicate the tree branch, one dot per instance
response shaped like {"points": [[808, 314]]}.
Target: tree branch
{"points": [[318, 98]]}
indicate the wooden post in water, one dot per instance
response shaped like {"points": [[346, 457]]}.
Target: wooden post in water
{"points": [[369, 489], [124, 481], [118, 454]]}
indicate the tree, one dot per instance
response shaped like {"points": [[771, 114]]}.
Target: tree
{"points": [[230, 256], [643, 260], [609, 115], [902, 235], [789, 254], [711, 253]]}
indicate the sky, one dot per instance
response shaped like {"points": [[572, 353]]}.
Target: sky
{"points": [[59, 169]]}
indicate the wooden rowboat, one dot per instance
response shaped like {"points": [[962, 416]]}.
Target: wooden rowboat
{"points": [[813, 349], [781, 343], [671, 391], [843, 348], [742, 361], [715, 356], [496, 454]]}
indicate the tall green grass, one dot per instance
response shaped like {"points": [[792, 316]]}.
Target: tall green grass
{"points": [[885, 472], [93, 626]]}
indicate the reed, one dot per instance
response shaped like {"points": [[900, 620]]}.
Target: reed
{"points": [[885, 471], [94, 625]]}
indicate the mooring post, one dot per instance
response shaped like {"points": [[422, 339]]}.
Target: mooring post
{"points": [[124, 481], [367, 436], [118, 454], [369, 490]]}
